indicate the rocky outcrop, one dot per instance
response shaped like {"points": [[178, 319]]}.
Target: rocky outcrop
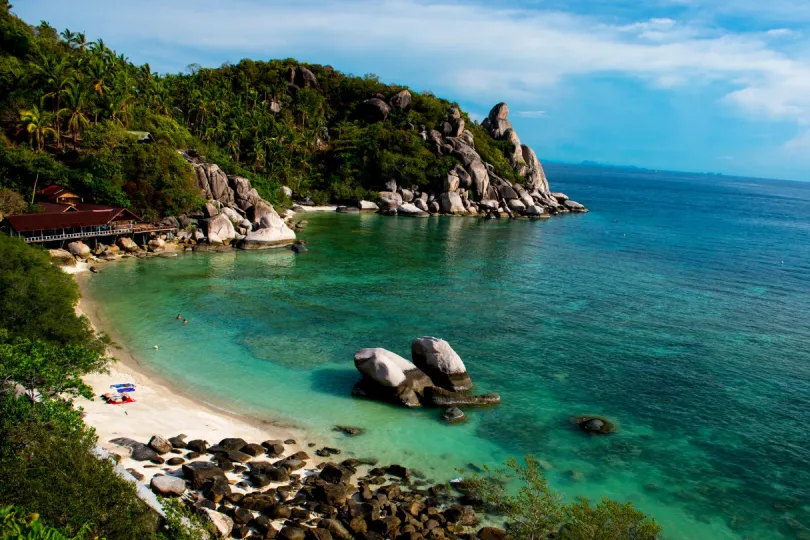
{"points": [[79, 249], [437, 359], [302, 77], [127, 244], [375, 110], [168, 486], [451, 203], [400, 100], [235, 212], [219, 229], [389, 376], [62, 257], [272, 232], [367, 206]]}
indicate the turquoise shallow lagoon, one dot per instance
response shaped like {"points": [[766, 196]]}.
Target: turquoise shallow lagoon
{"points": [[678, 307]]}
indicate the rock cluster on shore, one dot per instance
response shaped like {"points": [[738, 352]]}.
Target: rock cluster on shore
{"points": [[251, 490], [472, 187], [437, 377]]}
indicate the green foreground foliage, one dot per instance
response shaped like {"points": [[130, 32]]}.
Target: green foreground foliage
{"points": [[46, 463], [536, 512]]}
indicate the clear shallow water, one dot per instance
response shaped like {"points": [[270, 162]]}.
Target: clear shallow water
{"points": [[678, 307]]}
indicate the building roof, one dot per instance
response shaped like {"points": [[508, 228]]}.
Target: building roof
{"points": [[54, 191], [54, 208], [63, 220]]}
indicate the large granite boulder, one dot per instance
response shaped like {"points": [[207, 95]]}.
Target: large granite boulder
{"points": [[367, 206], [127, 244], [409, 209], [437, 359], [62, 257], [79, 249], [479, 179], [400, 100], [375, 110], [390, 200], [304, 78], [574, 206], [222, 523], [272, 232], [451, 203], [256, 212], [168, 486], [451, 181], [219, 228], [388, 376], [244, 194], [214, 183], [534, 174]]}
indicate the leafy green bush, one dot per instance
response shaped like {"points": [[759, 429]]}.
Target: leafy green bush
{"points": [[536, 512], [15, 523], [37, 299], [46, 465]]}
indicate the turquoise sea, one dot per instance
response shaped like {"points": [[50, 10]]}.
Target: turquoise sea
{"points": [[678, 307]]}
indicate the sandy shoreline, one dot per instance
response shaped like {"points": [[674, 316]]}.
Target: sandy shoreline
{"points": [[160, 408]]}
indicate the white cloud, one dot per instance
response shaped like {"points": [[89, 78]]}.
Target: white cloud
{"points": [[479, 52], [532, 114], [779, 32]]}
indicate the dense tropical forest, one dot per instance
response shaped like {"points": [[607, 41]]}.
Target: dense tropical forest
{"points": [[69, 107]]}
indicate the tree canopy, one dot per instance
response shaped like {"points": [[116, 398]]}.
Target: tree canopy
{"points": [[67, 106]]}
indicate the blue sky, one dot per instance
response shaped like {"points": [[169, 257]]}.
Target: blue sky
{"points": [[694, 85]]}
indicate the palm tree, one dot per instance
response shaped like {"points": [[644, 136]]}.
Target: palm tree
{"points": [[81, 42], [37, 124], [68, 36], [56, 76], [75, 104]]}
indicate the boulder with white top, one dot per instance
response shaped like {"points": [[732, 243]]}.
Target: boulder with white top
{"points": [[220, 228], [436, 358], [367, 206], [272, 232], [390, 377], [79, 249]]}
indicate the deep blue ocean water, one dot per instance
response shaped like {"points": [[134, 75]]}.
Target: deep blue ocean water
{"points": [[678, 307]]}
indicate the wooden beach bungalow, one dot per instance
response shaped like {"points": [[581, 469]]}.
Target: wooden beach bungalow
{"points": [[65, 217]]}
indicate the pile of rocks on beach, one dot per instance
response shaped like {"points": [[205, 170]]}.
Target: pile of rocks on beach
{"points": [[262, 490]]}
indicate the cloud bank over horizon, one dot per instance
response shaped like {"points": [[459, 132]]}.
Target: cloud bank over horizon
{"points": [[680, 84]]}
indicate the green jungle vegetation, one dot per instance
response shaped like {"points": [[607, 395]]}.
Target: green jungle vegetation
{"points": [[69, 107]]}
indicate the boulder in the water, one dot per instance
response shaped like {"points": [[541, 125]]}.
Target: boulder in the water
{"points": [[389, 376], [438, 397], [596, 425], [454, 415], [441, 363]]}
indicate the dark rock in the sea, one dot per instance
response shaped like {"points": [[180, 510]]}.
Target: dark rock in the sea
{"points": [[398, 471], [238, 456], [140, 452], [136, 475], [335, 474], [274, 448], [198, 445], [160, 445], [168, 486], [492, 533], [349, 430], [94, 269], [331, 494], [253, 449], [454, 415], [327, 451], [438, 397], [348, 210], [596, 425], [292, 533], [178, 441], [298, 247], [336, 528], [232, 443], [201, 473]]}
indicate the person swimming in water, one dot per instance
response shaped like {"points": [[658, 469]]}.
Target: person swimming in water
{"points": [[179, 317], [185, 321]]}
